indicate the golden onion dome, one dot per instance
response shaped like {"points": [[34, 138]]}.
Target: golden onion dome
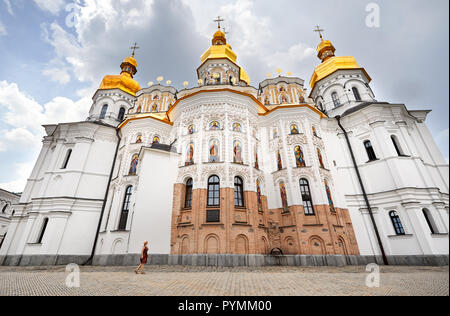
{"points": [[124, 81], [331, 63], [220, 49]]}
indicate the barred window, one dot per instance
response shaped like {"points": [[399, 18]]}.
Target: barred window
{"points": [[306, 197], [396, 221], [188, 196], [125, 208], [214, 191], [238, 192]]}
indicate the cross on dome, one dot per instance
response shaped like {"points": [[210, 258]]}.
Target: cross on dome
{"points": [[319, 30], [218, 20], [134, 47]]}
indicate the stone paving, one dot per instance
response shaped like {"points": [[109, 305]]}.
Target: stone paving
{"points": [[208, 281]]}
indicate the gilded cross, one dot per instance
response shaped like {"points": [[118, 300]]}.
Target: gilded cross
{"points": [[319, 30], [134, 48], [218, 20]]}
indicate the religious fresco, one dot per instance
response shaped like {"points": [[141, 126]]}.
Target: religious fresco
{"points": [[237, 127], [294, 129], [279, 161], [133, 165], [155, 107], [139, 139], [299, 157], [139, 109], [330, 198], [319, 155], [214, 150], [314, 131], [259, 195], [275, 133], [284, 199], [214, 126], [237, 151], [190, 155], [256, 158], [156, 140], [191, 129]]}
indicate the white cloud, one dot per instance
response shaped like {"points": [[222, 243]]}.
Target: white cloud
{"points": [[52, 6], [3, 31], [23, 171], [25, 117], [8, 7], [57, 71]]}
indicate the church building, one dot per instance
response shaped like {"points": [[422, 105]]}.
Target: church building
{"points": [[227, 170]]}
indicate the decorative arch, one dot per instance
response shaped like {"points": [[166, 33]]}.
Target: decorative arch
{"points": [[290, 247], [214, 151], [300, 161], [241, 245], [317, 246], [212, 244], [343, 246], [185, 245], [264, 246], [116, 247]]}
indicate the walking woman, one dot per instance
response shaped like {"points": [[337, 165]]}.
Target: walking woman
{"points": [[144, 257]]}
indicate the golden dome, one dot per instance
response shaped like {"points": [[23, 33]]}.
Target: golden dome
{"points": [[221, 50], [124, 81], [331, 63]]}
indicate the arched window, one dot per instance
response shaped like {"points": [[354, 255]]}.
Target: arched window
{"points": [[66, 160], [188, 195], [306, 197], [238, 192], [125, 208], [214, 191], [356, 94], [430, 220], [121, 116], [104, 111], [396, 143], [370, 152], [320, 105], [4, 209], [336, 100], [43, 229], [396, 221]]}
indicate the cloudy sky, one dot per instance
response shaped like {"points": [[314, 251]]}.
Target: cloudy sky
{"points": [[55, 52]]}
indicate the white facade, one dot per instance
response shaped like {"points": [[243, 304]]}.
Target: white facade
{"points": [[7, 200], [63, 209]]}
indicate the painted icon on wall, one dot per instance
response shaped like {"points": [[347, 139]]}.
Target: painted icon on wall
{"points": [[190, 155], [191, 129], [139, 139], [284, 196], [299, 157], [259, 195], [155, 107], [319, 155], [330, 198], [214, 150], [156, 140], [294, 129], [214, 126], [256, 158], [279, 161], [134, 164], [237, 127], [237, 152]]}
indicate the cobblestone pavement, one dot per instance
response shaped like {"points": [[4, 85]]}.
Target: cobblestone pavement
{"points": [[201, 281]]}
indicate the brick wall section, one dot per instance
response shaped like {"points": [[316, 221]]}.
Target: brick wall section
{"points": [[250, 231]]}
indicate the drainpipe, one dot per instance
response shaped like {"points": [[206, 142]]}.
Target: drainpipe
{"points": [[89, 261], [366, 198]]}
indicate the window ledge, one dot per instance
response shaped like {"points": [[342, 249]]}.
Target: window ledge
{"points": [[439, 235], [213, 224], [401, 236], [120, 231]]}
